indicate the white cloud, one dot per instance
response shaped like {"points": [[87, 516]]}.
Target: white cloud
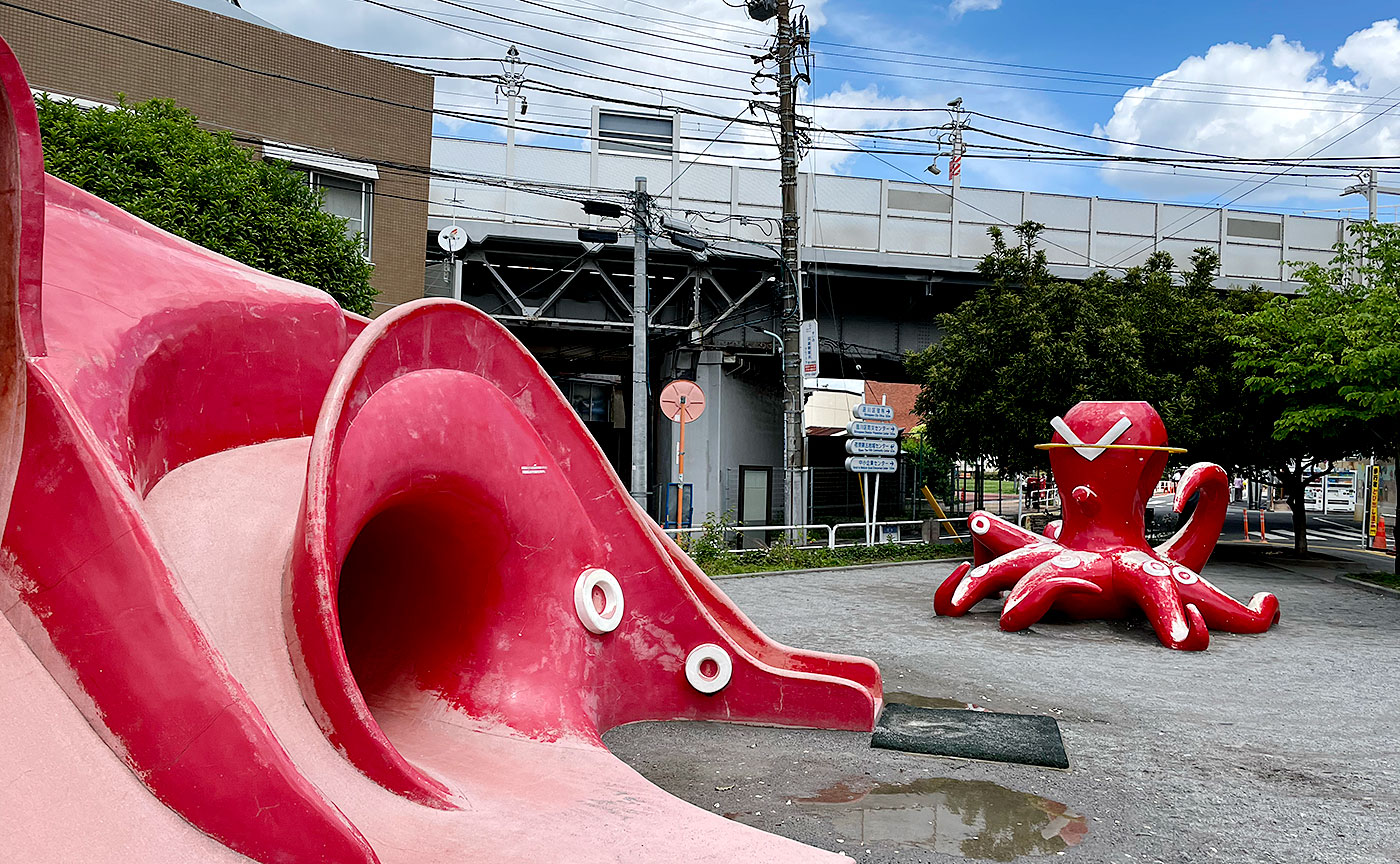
{"points": [[875, 115], [1275, 100], [958, 8]]}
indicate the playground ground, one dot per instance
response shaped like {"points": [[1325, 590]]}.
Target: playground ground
{"points": [[1282, 747]]}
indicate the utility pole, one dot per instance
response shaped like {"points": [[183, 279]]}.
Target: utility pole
{"points": [[952, 139], [1370, 187], [794, 433], [510, 85], [640, 399]]}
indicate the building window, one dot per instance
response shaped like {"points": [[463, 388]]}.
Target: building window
{"points": [[346, 186], [635, 133], [591, 400], [350, 198]]}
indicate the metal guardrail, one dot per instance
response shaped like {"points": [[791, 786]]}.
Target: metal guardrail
{"points": [[831, 531]]}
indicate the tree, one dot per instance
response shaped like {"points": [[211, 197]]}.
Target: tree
{"points": [[1329, 358], [153, 160], [934, 469], [1027, 346]]}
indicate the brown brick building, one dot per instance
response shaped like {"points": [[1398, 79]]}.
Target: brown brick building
{"points": [[240, 74]]}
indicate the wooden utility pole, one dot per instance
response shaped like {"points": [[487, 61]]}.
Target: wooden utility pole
{"points": [[794, 438]]}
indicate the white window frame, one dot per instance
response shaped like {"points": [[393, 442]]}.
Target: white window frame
{"points": [[319, 163]]}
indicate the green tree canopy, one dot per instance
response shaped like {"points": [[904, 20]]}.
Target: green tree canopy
{"points": [[153, 160], [1328, 359], [1028, 346]]}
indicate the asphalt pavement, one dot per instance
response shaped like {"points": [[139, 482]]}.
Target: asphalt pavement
{"points": [[1280, 747]]}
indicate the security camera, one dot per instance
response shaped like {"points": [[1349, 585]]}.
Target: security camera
{"points": [[956, 103]]}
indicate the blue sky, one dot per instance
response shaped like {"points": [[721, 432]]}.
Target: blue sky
{"points": [[1247, 80]]}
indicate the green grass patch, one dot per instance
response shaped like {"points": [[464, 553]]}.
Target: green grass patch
{"points": [[723, 563], [1376, 577]]}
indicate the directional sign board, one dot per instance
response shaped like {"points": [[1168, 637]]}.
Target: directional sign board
{"points": [[866, 411], [869, 447], [867, 429], [872, 464]]}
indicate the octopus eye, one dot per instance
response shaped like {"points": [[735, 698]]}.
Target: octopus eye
{"points": [[1155, 568], [1184, 576], [980, 524]]}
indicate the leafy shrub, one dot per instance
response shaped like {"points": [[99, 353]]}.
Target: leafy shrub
{"points": [[153, 160], [783, 556]]}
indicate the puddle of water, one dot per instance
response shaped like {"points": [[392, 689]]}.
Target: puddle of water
{"points": [[929, 701], [966, 818]]}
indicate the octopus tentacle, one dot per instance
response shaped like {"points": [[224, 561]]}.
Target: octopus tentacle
{"points": [[966, 586], [993, 536], [1223, 612], [1192, 544], [1150, 584], [1066, 573]]}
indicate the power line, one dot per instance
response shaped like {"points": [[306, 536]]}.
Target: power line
{"points": [[1271, 178], [575, 36], [921, 181], [1166, 85], [691, 163], [1169, 85], [628, 29], [1064, 91], [506, 42]]}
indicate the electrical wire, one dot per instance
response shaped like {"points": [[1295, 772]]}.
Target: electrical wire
{"points": [[691, 163], [1168, 85], [1271, 178], [503, 41], [921, 181]]}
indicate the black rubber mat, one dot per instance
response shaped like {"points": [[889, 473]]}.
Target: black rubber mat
{"points": [[1026, 739]]}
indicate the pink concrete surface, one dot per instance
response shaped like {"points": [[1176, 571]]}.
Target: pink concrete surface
{"points": [[64, 796], [227, 524], [285, 583]]}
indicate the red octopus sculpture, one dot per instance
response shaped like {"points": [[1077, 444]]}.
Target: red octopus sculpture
{"points": [[1106, 458]]}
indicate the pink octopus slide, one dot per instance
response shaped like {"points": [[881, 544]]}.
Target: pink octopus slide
{"points": [[286, 585]]}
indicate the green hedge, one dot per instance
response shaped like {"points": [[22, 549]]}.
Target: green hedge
{"points": [[721, 563]]}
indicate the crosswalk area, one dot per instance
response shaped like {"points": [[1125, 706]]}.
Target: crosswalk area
{"points": [[1320, 534]]}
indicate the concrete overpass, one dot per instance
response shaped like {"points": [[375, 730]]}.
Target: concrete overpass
{"points": [[881, 259]]}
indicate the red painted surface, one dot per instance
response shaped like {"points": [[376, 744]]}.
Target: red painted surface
{"points": [[418, 606], [1096, 563], [525, 504]]}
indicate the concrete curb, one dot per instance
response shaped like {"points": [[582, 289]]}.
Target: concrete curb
{"points": [[875, 566], [1367, 586]]}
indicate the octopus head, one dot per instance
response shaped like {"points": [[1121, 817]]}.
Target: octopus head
{"points": [[1108, 454]]}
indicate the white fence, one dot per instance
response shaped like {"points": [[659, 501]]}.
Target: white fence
{"points": [[832, 540]]}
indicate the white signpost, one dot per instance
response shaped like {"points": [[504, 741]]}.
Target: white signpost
{"points": [[867, 429], [874, 449], [872, 464], [807, 336], [869, 447], [866, 411]]}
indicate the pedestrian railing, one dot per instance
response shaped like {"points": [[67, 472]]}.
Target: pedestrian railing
{"points": [[831, 531]]}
